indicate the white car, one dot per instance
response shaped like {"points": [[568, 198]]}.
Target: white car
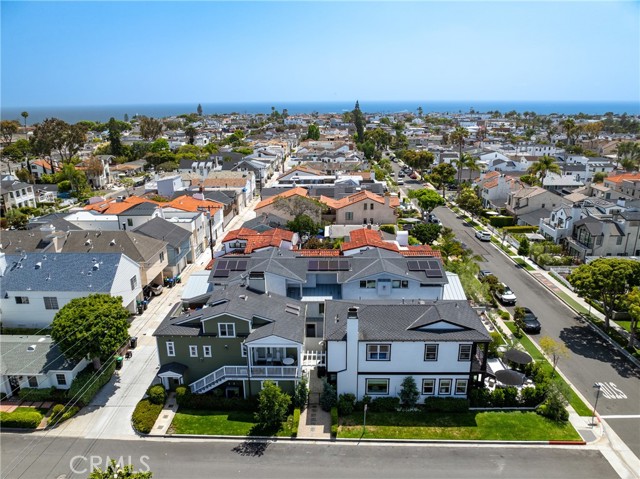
{"points": [[483, 235], [507, 296]]}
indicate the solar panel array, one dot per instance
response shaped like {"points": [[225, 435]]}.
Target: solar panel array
{"points": [[431, 267], [223, 267], [329, 265]]}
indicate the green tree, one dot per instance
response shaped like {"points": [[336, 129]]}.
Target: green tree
{"points": [[426, 233], [18, 151], [115, 132], [303, 224], [555, 350], [126, 117], [16, 218], [95, 326], [465, 161], [190, 132], [469, 201], [8, 128], [457, 138], [300, 394], [358, 120], [409, 393], [543, 166], [57, 135], [449, 246], [273, 406], [328, 397], [633, 306], [523, 248], [554, 406], [161, 144], [427, 199], [607, 280], [25, 115], [442, 174], [313, 132], [116, 471], [599, 177], [199, 109], [420, 111], [150, 128]]}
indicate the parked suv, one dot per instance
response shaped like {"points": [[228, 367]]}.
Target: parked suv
{"points": [[529, 323], [483, 235], [507, 296]]}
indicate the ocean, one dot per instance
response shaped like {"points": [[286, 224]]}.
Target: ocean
{"points": [[103, 113]]}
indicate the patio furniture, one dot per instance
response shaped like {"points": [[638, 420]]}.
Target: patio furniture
{"points": [[517, 356], [509, 377], [288, 361]]}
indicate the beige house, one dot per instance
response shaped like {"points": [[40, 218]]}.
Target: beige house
{"points": [[363, 207], [531, 200], [289, 204]]}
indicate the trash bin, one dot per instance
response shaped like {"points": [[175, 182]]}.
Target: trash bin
{"points": [[119, 362], [133, 342]]}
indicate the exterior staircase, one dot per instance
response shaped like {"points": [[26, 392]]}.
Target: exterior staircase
{"points": [[217, 377]]}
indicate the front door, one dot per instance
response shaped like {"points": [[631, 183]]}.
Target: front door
{"points": [[14, 384]]}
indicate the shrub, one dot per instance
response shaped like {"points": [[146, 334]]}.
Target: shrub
{"points": [[554, 405], [505, 315], [86, 384], [391, 229], [385, 404], [334, 421], [157, 394], [57, 410], [182, 395], [520, 229], [300, 394], [60, 414], [329, 397], [346, 403], [22, 418], [531, 397], [296, 422], [212, 402], [497, 397], [409, 393], [273, 405], [511, 397], [145, 416], [449, 404], [496, 342], [537, 373], [34, 394], [480, 397], [501, 221]]}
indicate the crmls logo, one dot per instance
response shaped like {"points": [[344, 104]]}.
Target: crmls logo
{"points": [[86, 464]]}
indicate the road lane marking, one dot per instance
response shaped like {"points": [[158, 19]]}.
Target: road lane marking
{"points": [[610, 391], [622, 416]]}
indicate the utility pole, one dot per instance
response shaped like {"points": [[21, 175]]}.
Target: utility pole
{"points": [[207, 209]]}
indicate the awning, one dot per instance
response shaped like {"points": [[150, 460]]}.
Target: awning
{"points": [[172, 370], [517, 356], [509, 377]]}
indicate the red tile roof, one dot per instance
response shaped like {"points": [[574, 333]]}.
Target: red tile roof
{"points": [[372, 238], [256, 240], [298, 191], [357, 197]]}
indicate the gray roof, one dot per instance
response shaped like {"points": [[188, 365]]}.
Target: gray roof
{"points": [[265, 222], [141, 209], [56, 219], [60, 272], [31, 355], [533, 218], [29, 241], [138, 247], [164, 230], [177, 368], [406, 322], [631, 215], [247, 304], [599, 227], [13, 185]]}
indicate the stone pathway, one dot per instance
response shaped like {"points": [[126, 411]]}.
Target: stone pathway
{"points": [[314, 422], [166, 416]]}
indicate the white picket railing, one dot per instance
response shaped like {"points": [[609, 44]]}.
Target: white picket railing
{"points": [[274, 371], [314, 358], [218, 376]]}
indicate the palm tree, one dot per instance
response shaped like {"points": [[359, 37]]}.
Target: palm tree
{"points": [[457, 137], [571, 130], [25, 115], [191, 133], [543, 166], [466, 161], [622, 150]]}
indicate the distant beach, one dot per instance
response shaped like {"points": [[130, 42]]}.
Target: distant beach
{"points": [[103, 113]]}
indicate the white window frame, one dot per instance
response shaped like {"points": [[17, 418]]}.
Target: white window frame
{"points": [[206, 351], [134, 282], [244, 350], [460, 358], [426, 346], [63, 377], [22, 299], [460, 382], [226, 335], [375, 350], [31, 380], [366, 386], [171, 348], [441, 385], [433, 387], [348, 215], [193, 351], [50, 302]]}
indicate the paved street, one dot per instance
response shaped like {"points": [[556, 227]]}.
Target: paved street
{"points": [[187, 459], [591, 360]]}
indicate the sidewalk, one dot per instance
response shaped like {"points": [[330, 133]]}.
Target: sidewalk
{"points": [[314, 422], [165, 418]]}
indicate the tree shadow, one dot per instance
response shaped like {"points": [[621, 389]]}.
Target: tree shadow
{"points": [[251, 448], [581, 340]]}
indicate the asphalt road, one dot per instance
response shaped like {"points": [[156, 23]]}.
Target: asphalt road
{"points": [[189, 459], [591, 360]]}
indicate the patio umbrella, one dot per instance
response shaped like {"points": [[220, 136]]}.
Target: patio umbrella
{"points": [[517, 356], [510, 377]]}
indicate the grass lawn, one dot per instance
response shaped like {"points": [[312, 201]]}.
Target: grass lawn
{"points": [[507, 426], [580, 407], [223, 423], [572, 303], [524, 264]]}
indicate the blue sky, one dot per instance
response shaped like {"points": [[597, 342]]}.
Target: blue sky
{"points": [[106, 53]]}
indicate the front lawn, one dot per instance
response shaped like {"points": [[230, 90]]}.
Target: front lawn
{"points": [[22, 418], [224, 423], [505, 426]]}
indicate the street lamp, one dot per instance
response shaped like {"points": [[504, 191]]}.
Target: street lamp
{"points": [[593, 415], [364, 421]]}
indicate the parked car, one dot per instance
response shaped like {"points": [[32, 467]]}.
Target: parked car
{"points": [[484, 273], [507, 296], [433, 219], [156, 289], [529, 323], [400, 182], [483, 235]]}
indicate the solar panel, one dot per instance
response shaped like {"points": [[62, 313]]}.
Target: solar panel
{"points": [[232, 265], [313, 265], [222, 264], [323, 266], [221, 273], [433, 273], [242, 266], [343, 265], [433, 264], [424, 265], [413, 266]]}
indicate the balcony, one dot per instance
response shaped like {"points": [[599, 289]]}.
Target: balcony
{"points": [[275, 371]]}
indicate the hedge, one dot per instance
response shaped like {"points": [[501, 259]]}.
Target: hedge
{"points": [[334, 421], [296, 422], [157, 394], [209, 401], [36, 395], [384, 404], [520, 229], [391, 229], [93, 382], [446, 404], [145, 416], [60, 414], [501, 221], [22, 418]]}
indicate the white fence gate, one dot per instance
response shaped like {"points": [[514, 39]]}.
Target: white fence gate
{"points": [[314, 358]]}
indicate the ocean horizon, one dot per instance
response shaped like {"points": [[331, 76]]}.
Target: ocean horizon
{"points": [[102, 113]]}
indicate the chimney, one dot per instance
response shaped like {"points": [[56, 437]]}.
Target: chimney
{"points": [[350, 379], [257, 282]]}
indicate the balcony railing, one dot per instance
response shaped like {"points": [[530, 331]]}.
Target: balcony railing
{"points": [[275, 371]]}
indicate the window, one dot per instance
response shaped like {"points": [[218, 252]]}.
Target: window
{"points": [[61, 379], [193, 351], [171, 348], [365, 207], [243, 350], [22, 300], [371, 207], [227, 330], [400, 283], [129, 221], [445, 387], [619, 240], [162, 255], [429, 386], [50, 302], [348, 215], [377, 387], [599, 240], [369, 283], [371, 220], [33, 381], [378, 352], [464, 352], [321, 308], [461, 386], [364, 221], [431, 352], [134, 282]]}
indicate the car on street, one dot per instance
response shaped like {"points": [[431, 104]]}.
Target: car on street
{"points": [[506, 296], [529, 323], [483, 235], [484, 273], [400, 182], [433, 219]]}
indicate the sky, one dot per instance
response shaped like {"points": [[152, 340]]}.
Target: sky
{"points": [[114, 53]]}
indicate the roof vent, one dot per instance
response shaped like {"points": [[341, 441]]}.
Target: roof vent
{"points": [[38, 265], [112, 242], [96, 266], [31, 348], [88, 242]]}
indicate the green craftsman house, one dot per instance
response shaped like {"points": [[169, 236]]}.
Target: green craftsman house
{"points": [[241, 338]]}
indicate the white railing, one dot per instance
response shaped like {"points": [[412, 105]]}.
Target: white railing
{"points": [[313, 358], [274, 371], [218, 376]]}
